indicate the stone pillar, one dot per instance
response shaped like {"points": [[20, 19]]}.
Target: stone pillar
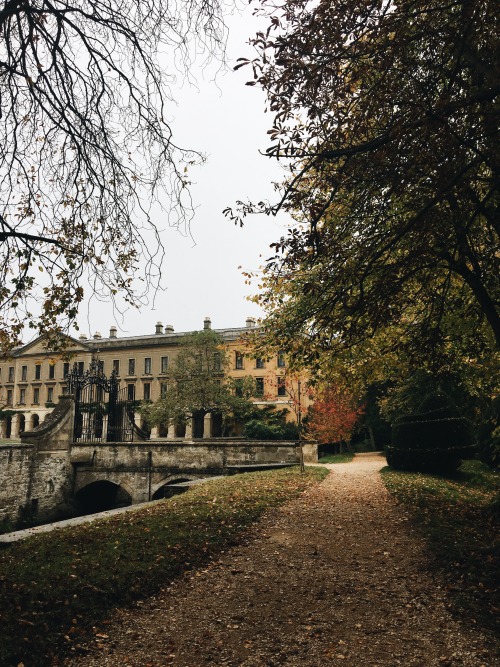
{"points": [[3, 428], [16, 419], [171, 431], [189, 427], [154, 432], [207, 425]]}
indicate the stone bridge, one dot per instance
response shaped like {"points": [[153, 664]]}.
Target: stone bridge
{"points": [[50, 476]]}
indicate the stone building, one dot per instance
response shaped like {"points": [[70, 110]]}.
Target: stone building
{"points": [[33, 378]]}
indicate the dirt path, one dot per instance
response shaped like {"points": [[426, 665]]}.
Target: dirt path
{"points": [[336, 577]]}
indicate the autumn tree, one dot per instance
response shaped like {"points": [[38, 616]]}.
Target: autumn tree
{"points": [[333, 416], [386, 117], [86, 149]]}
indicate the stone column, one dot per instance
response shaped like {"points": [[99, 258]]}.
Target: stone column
{"points": [[189, 427], [207, 425], [16, 419], [171, 431], [154, 432]]}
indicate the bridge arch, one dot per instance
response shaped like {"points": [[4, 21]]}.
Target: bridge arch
{"points": [[101, 495], [164, 488]]}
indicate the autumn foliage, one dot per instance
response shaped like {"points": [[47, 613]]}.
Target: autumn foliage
{"points": [[333, 416]]}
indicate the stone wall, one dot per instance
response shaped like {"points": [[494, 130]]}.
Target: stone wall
{"points": [[15, 474]]}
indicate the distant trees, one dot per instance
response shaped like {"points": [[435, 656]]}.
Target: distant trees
{"points": [[386, 116], [86, 148]]}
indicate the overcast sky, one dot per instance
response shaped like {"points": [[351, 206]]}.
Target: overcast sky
{"points": [[226, 121]]}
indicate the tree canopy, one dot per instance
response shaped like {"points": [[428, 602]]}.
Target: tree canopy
{"points": [[386, 116], [86, 148], [197, 382]]}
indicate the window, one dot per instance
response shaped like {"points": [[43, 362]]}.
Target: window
{"points": [[36, 395], [281, 387], [116, 366], [238, 388], [259, 363], [259, 386], [238, 360], [164, 364], [24, 373], [163, 389], [147, 366], [131, 366], [100, 366], [11, 373], [131, 392], [52, 371], [65, 369], [81, 366], [281, 360], [147, 391], [50, 394], [9, 396], [22, 396], [38, 371]]}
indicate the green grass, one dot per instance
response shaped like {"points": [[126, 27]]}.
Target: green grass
{"points": [[346, 457], [54, 588], [458, 515]]}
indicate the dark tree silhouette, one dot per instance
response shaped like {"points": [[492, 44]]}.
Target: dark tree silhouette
{"points": [[386, 115]]}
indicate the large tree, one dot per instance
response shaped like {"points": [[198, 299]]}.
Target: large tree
{"points": [[386, 115], [197, 382], [86, 148]]}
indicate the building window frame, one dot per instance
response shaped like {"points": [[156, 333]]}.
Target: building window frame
{"points": [[281, 386], [147, 365], [38, 371], [238, 361], [131, 366], [116, 366], [36, 396], [281, 359], [146, 391]]}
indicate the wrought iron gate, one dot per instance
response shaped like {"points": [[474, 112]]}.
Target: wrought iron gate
{"points": [[103, 413]]}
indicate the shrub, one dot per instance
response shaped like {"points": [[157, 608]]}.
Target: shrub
{"points": [[260, 430], [435, 439]]}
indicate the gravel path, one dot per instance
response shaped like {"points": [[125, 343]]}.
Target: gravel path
{"points": [[336, 577]]}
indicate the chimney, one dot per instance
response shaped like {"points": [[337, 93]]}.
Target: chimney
{"points": [[159, 328], [112, 332], [207, 324], [250, 322], [97, 335], [168, 328]]}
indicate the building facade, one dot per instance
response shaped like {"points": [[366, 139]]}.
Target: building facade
{"points": [[33, 377]]}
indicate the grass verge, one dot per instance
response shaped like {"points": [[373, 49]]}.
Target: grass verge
{"points": [[346, 457], [57, 587], [458, 515]]}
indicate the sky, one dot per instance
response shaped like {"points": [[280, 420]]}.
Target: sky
{"points": [[225, 120]]}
